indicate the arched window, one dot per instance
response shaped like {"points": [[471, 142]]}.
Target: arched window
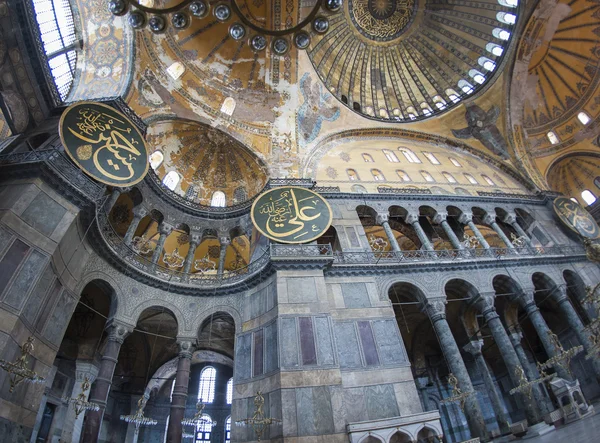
{"points": [[352, 175], [588, 197], [55, 23], [509, 3], [218, 199], [367, 158], [411, 112], [228, 429], [206, 387], [486, 63], [360, 189], [410, 156], [471, 179], [377, 175], [477, 76], [204, 429], [230, 391], [494, 49], [383, 113], [432, 158], [228, 106], [240, 195], [506, 17], [426, 109], [390, 156], [171, 180], [573, 199], [465, 86], [166, 428], [455, 162], [176, 70], [156, 159], [452, 95], [403, 176], [488, 180], [172, 389], [583, 118], [439, 102], [501, 34], [449, 177], [427, 176], [553, 138]]}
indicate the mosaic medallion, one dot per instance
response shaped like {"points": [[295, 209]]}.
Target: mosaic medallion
{"points": [[381, 20]]}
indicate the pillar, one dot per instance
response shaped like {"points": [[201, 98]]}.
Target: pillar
{"points": [[383, 220], [164, 230], [474, 348], [72, 424], [490, 219], [189, 258], [224, 243], [441, 219], [512, 220], [542, 400], [437, 314], [413, 220], [467, 219], [139, 212], [509, 356], [180, 391], [101, 388], [112, 199]]}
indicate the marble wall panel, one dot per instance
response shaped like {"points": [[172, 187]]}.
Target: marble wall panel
{"points": [[325, 353], [381, 401], [288, 412], [305, 408], [242, 358], [289, 343], [258, 354], [10, 194], [38, 294], [301, 290], [355, 405], [352, 237], [368, 343], [59, 319], [347, 345], [11, 262], [5, 238], [355, 295], [25, 279], [44, 214], [391, 347], [307, 341], [271, 349]]}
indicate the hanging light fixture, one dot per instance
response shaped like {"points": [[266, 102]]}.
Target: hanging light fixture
{"points": [[457, 394], [525, 387], [563, 357], [198, 419], [80, 403], [18, 370], [258, 421], [138, 418]]}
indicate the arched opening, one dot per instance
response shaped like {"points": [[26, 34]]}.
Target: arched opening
{"points": [[330, 237], [576, 291], [434, 231]]}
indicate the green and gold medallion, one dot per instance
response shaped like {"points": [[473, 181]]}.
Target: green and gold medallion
{"points": [[576, 218]]}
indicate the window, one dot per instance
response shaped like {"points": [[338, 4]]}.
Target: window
{"points": [[486, 63], [471, 179], [352, 175], [390, 156], [506, 17], [488, 180], [228, 106], [588, 197], [432, 158], [477, 76], [172, 389], [426, 109], [412, 113], [553, 138], [573, 199], [494, 49], [427, 176], [583, 118], [230, 391], [403, 176], [383, 113], [455, 162], [452, 95], [218, 199], [206, 387], [240, 195], [439, 102], [465, 86], [509, 3], [359, 189], [171, 180], [176, 70], [156, 159], [449, 177], [55, 23], [367, 158], [377, 175], [204, 429], [410, 156], [228, 429], [501, 34]]}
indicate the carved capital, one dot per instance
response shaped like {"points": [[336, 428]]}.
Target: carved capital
{"points": [[224, 241], [139, 212], [411, 219], [474, 347], [195, 239], [382, 218], [510, 219], [117, 332], [485, 303], [186, 348], [165, 228], [465, 217], [490, 218], [435, 308], [440, 217]]}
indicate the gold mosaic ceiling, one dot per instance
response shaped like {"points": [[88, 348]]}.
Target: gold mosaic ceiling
{"points": [[573, 174]]}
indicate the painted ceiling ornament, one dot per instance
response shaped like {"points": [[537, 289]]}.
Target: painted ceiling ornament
{"points": [[204, 265], [174, 259], [482, 126], [381, 20], [470, 242], [317, 107], [377, 244]]}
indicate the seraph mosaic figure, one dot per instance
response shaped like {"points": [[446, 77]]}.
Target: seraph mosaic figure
{"points": [[316, 108], [482, 127]]}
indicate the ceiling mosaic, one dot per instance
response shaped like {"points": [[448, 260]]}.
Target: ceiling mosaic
{"points": [[573, 174]]}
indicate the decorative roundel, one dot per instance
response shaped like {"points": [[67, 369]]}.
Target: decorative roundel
{"points": [[280, 46], [258, 42], [137, 19], [117, 7], [222, 12], [199, 9], [237, 31], [302, 40], [333, 5], [320, 25], [381, 20], [157, 24], [179, 20]]}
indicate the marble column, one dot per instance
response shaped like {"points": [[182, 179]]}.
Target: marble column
{"points": [[565, 306], [441, 218], [224, 243], [467, 219], [383, 220], [413, 220], [195, 240], [509, 356], [542, 400], [490, 220], [139, 212], [512, 220], [543, 331], [180, 391], [164, 230], [437, 313], [101, 388], [72, 424], [114, 196], [474, 348]]}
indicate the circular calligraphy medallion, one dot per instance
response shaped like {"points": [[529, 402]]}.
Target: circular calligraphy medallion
{"points": [[104, 143], [291, 215], [576, 218], [381, 20]]}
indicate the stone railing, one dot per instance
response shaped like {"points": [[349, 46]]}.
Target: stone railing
{"points": [[293, 252]]}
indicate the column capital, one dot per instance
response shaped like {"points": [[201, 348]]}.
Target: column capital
{"points": [[559, 294], [139, 212], [485, 303], [440, 217], [510, 219], [118, 332], [465, 217], [490, 218], [195, 238], [382, 217], [85, 368], [186, 347], [474, 347], [165, 228], [224, 240], [435, 308], [411, 218]]}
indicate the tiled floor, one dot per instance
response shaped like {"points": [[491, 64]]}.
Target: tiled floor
{"points": [[586, 430]]}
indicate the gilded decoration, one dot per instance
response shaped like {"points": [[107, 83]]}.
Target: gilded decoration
{"points": [[576, 218], [381, 20]]}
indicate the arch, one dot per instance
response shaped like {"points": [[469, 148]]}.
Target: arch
{"points": [[409, 155], [371, 438], [171, 180], [330, 237], [206, 386], [168, 307], [228, 323], [156, 159], [367, 158], [106, 281], [352, 174], [360, 189], [228, 106], [377, 175], [461, 191], [457, 288], [218, 199], [576, 291]]}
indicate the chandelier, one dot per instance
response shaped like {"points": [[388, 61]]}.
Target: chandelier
{"points": [[142, 13], [258, 421], [563, 357], [138, 418], [18, 370], [525, 386], [80, 403], [457, 394], [198, 420]]}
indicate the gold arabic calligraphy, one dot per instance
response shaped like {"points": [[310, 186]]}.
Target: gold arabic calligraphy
{"points": [[576, 217]]}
